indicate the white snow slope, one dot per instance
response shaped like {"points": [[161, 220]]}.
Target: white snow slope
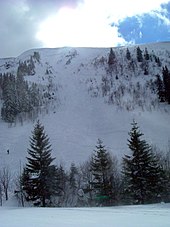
{"points": [[77, 119], [127, 216]]}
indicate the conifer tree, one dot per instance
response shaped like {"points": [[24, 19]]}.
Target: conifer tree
{"points": [[101, 165], [9, 108], [160, 89], [40, 176], [112, 57], [128, 54], [146, 54], [166, 167], [166, 80], [72, 178], [18, 97], [72, 188], [143, 176], [139, 54]]}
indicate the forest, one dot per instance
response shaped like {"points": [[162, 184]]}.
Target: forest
{"points": [[141, 177]]}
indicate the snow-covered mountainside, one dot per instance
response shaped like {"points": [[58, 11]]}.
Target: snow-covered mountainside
{"points": [[89, 99]]}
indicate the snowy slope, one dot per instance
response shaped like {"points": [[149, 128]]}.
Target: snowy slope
{"points": [[77, 119]]}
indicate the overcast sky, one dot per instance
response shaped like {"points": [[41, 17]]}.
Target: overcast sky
{"points": [[27, 24]]}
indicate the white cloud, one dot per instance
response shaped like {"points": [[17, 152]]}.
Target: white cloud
{"points": [[27, 24], [77, 28], [90, 23]]}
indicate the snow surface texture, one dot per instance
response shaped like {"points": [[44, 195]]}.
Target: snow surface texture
{"points": [[126, 216], [77, 120]]}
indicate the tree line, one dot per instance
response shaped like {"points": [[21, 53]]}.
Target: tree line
{"points": [[18, 96], [143, 176], [118, 86], [23, 100]]}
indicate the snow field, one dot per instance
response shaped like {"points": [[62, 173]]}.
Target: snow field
{"points": [[157, 215]]}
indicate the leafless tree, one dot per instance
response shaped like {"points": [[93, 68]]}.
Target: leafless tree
{"points": [[5, 179]]}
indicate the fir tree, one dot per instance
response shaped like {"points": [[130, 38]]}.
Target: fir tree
{"points": [[128, 54], [9, 108], [18, 97], [72, 186], [166, 167], [146, 54], [166, 81], [36, 56], [157, 60], [143, 176], [40, 175], [160, 89], [72, 178], [139, 54], [101, 165], [112, 57]]}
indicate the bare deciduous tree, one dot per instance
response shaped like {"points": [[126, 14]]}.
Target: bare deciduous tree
{"points": [[5, 179]]}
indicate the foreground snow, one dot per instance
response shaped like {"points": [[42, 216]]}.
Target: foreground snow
{"points": [[124, 216]]}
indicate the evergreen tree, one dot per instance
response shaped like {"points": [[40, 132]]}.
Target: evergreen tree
{"points": [[101, 169], [62, 179], [166, 167], [139, 54], [146, 72], [128, 54], [143, 176], [18, 97], [72, 188], [36, 56], [112, 57], [62, 189], [72, 178], [166, 81], [31, 67], [9, 108], [146, 54], [40, 175], [157, 60], [160, 88]]}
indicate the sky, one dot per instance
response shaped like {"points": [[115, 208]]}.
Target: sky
{"points": [[28, 24]]}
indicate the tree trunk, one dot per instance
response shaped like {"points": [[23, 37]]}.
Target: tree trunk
{"points": [[6, 193], [43, 202]]}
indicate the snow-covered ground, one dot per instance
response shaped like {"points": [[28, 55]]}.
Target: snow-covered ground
{"points": [[157, 215], [73, 128], [79, 119]]}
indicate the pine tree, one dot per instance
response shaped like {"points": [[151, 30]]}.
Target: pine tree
{"points": [[143, 176], [40, 175], [101, 165]]}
